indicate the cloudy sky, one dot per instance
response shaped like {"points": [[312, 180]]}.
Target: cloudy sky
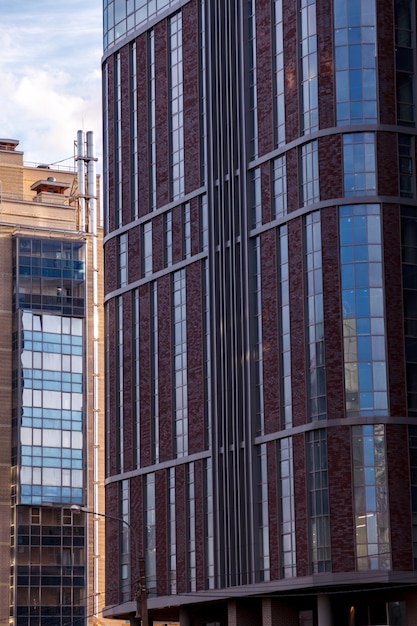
{"points": [[50, 75]]}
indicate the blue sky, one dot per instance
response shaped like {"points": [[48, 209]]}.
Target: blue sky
{"points": [[50, 75]]}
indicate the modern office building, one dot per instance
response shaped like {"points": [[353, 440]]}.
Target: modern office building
{"points": [[260, 307], [51, 390]]}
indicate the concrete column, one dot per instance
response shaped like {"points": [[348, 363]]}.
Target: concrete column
{"points": [[324, 611]]}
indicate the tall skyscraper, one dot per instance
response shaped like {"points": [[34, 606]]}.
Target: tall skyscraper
{"points": [[51, 382], [260, 306]]}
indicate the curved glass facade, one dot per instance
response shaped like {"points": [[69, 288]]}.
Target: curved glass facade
{"points": [[122, 17]]}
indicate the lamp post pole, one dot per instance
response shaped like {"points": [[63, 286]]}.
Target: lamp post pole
{"points": [[141, 597]]}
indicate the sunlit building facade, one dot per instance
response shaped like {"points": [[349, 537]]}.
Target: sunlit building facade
{"points": [[51, 343], [260, 289]]}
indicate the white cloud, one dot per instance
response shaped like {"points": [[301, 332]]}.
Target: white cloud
{"points": [[50, 75]]}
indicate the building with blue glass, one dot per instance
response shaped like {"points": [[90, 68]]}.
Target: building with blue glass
{"points": [[51, 392], [260, 307]]}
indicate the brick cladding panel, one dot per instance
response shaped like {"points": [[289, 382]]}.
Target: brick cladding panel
{"points": [[326, 63], [297, 323], [200, 535], [331, 181], [161, 508], [195, 360], [128, 417], [341, 499], [145, 375], [267, 200], [270, 338], [264, 77], [333, 338], [136, 515], [300, 502], [165, 368], [112, 546], [191, 50], [134, 254], [386, 62], [399, 497], [126, 134], [290, 14], [162, 122], [177, 215], [110, 274], [111, 442], [394, 310], [276, 613], [143, 126], [181, 525], [387, 150], [273, 509], [195, 225]]}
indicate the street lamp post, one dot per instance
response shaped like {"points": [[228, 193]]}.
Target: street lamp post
{"points": [[140, 593]]}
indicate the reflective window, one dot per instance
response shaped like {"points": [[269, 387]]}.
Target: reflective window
{"points": [[176, 107], [209, 523], [152, 120], [136, 374], [50, 275], [172, 533], [134, 179], [118, 169], [284, 326], [49, 382], [186, 231], [121, 17], [253, 108], [406, 165], [150, 533], [278, 47], [147, 249], [319, 514], [125, 564], [315, 318], [119, 383], [204, 227], [308, 66], [412, 448], [373, 548], [309, 172], [180, 364], [257, 349], [191, 537], [106, 90], [168, 238], [279, 191], [409, 276], [363, 310], [287, 511], [263, 569], [154, 373], [255, 198], [122, 260], [355, 61], [404, 61], [206, 353], [359, 166]]}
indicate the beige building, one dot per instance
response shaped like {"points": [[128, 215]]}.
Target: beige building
{"points": [[51, 391]]}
